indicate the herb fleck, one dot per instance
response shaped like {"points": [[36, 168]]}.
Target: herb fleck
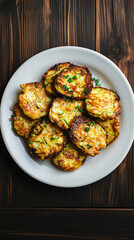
{"points": [[65, 88], [96, 82], [88, 146], [52, 138], [81, 110], [70, 80], [74, 77], [87, 129]]}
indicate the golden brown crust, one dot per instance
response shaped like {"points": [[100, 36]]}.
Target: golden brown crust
{"points": [[63, 111], [34, 101], [87, 135], [103, 103], [71, 158], [111, 127], [50, 76], [46, 139], [74, 82], [22, 124]]}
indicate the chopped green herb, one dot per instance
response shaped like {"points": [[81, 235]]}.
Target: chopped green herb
{"points": [[55, 76], [87, 129], [70, 80], [70, 100], [86, 91], [38, 101], [11, 116], [81, 110], [92, 123], [103, 127], [66, 76], [74, 71], [58, 69], [35, 87], [88, 146], [72, 96], [65, 122], [52, 138], [27, 102], [61, 113], [18, 119], [65, 88], [96, 82], [65, 98], [74, 77]]}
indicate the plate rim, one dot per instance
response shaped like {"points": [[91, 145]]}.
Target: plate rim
{"points": [[11, 79]]}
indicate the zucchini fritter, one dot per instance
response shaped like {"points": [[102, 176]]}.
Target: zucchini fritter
{"points": [[46, 139], [75, 82], [22, 124], [34, 101], [50, 76], [111, 127], [63, 111], [70, 158], [103, 103], [87, 135]]}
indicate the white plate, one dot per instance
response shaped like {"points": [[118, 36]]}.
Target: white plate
{"points": [[94, 168]]}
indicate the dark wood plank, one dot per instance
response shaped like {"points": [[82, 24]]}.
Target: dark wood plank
{"points": [[114, 39], [66, 224], [28, 27]]}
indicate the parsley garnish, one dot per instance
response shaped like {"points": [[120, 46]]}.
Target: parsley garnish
{"points": [[70, 80], [65, 88], [74, 77], [66, 76], [55, 76], [92, 123], [52, 138], [86, 91], [96, 82], [87, 129], [80, 108], [27, 102], [88, 146]]}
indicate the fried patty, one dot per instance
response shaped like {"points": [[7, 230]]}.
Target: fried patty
{"points": [[46, 139], [22, 124], [63, 111], [70, 158], [50, 76], [103, 103], [74, 82], [111, 127], [88, 135], [34, 101]]}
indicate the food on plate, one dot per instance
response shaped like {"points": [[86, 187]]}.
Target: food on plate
{"points": [[63, 111], [111, 127], [103, 103], [21, 123], [74, 96], [74, 82], [34, 101], [88, 135], [50, 76], [46, 139], [70, 158]]}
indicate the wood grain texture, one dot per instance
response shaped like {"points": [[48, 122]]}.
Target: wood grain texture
{"points": [[30, 26], [115, 39], [66, 224]]}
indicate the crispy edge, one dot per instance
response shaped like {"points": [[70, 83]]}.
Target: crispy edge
{"points": [[76, 122], [116, 112], [59, 162], [88, 85], [19, 113], [21, 96], [115, 127], [55, 67], [41, 155]]}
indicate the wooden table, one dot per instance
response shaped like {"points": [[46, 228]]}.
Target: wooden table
{"points": [[30, 209]]}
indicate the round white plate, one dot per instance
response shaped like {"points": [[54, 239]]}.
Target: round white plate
{"points": [[94, 168]]}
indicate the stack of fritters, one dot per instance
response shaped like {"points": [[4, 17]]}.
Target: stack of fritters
{"points": [[67, 102]]}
